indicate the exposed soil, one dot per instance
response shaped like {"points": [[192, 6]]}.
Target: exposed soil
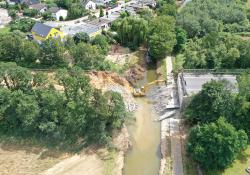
{"points": [[24, 160]]}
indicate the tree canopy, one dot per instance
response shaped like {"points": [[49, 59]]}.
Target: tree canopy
{"points": [[213, 101], [200, 17], [216, 145], [30, 106]]}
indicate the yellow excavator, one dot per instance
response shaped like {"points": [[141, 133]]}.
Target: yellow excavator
{"points": [[140, 92]]}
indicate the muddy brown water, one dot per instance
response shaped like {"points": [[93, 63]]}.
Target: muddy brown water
{"points": [[144, 157]]}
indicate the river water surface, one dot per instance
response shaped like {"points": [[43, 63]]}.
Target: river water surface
{"points": [[144, 157]]}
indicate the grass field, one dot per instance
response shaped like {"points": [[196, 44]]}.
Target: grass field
{"points": [[4, 30], [238, 167]]}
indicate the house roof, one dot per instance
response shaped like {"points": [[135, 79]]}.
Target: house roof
{"points": [[84, 3], [39, 6], [98, 22], [29, 2], [54, 9], [84, 27], [41, 29]]}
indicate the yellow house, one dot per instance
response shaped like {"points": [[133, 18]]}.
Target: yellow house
{"points": [[42, 32]]}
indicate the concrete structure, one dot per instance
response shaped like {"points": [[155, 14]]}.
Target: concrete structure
{"points": [[42, 32], [58, 13], [193, 82], [89, 5], [90, 29]]}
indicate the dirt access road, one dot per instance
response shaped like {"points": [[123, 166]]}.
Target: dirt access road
{"points": [[78, 165]]}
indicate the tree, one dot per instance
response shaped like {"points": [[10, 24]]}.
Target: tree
{"points": [[167, 9], [162, 37], [87, 57], [101, 41], [10, 47], [216, 145], [52, 53], [21, 112], [30, 52], [24, 24], [181, 39], [81, 37], [213, 101], [15, 77], [101, 12], [132, 31], [201, 17]]}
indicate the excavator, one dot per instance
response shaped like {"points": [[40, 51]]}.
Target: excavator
{"points": [[141, 92]]}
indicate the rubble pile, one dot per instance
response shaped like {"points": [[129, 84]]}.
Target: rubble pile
{"points": [[160, 96], [131, 106]]}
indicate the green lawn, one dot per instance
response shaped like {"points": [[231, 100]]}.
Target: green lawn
{"points": [[238, 167], [4, 30]]}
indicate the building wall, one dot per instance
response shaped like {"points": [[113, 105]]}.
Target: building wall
{"points": [[62, 13], [54, 33], [90, 5]]}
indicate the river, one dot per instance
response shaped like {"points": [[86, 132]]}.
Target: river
{"points": [[144, 157]]}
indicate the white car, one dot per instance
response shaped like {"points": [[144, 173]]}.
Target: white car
{"points": [[248, 170]]}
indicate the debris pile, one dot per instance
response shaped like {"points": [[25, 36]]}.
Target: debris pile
{"points": [[160, 96], [135, 73], [131, 106]]}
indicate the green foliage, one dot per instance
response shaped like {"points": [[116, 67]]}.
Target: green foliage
{"points": [[241, 119], [29, 107], [213, 101], [52, 53], [200, 17], [47, 16], [217, 51], [161, 38], [216, 145], [101, 41], [146, 14], [167, 9], [101, 12], [81, 37], [30, 12], [181, 39], [24, 24], [76, 11], [88, 57], [132, 31]]}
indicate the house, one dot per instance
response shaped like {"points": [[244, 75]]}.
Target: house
{"points": [[58, 13], [101, 23], [102, 2], [90, 29], [26, 2], [42, 32], [89, 5], [41, 8]]}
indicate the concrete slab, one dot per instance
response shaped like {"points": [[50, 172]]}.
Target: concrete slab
{"points": [[193, 82]]}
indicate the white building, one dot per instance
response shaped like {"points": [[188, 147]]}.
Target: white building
{"points": [[89, 5], [58, 13]]}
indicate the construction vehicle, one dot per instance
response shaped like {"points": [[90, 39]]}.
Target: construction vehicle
{"points": [[140, 92]]}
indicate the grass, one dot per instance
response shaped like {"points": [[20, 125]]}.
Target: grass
{"points": [[162, 68], [238, 167], [109, 163], [4, 30]]}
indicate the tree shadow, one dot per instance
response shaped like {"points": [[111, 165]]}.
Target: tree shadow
{"points": [[243, 157]]}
